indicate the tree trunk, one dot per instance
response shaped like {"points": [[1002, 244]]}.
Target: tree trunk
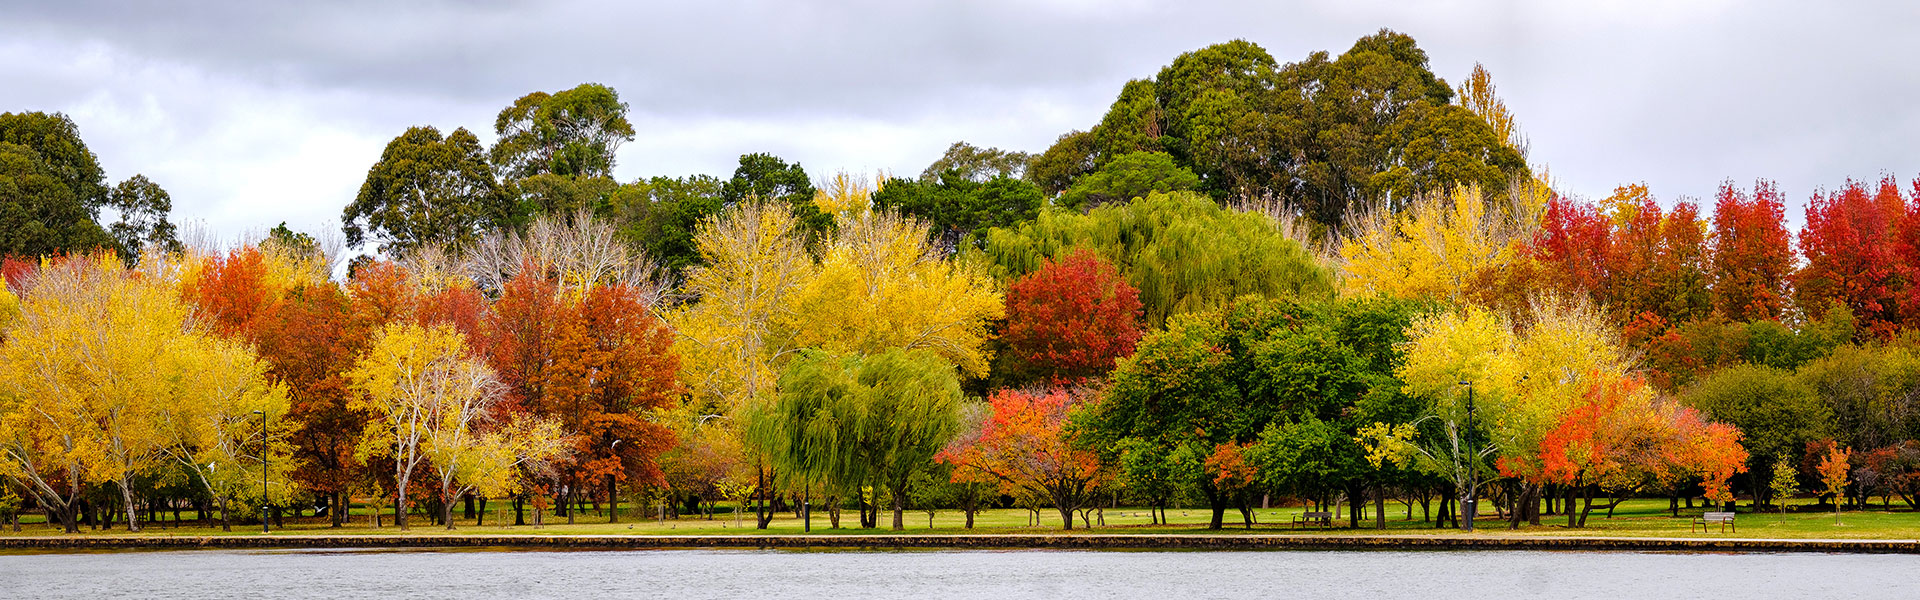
{"points": [[1216, 503], [226, 517], [900, 504], [613, 501], [1066, 516], [133, 510], [1380, 507], [446, 511]]}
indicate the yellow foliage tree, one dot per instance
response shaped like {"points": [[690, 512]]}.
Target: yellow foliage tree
{"points": [[429, 400], [103, 370], [1441, 246], [882, 284]]}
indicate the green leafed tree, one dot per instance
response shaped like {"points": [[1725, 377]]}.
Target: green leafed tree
{"points": [[960, 208], [143, 208], [426, 190], [845, 421], [1131, 176], [978, 164], [768, 178], [39, 213], [571, 133], [1183, 252], [661, 215]]}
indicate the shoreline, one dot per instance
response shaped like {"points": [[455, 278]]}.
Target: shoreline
{"points": [[1197, 542]]}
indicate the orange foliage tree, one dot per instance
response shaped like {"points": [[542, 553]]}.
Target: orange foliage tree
{"points": [[1752, 255], [1025, 444], [1851, 254], [600, 363]]}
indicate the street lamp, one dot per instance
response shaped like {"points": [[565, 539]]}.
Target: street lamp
{"points": [[613, 496], [1468, 503], [263, 472]]}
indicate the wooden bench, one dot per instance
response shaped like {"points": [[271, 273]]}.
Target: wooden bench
{"points": [[1723, 519], [1323, 519]]}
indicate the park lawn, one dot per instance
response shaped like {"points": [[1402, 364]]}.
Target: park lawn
{"points": [[1635, 518]]}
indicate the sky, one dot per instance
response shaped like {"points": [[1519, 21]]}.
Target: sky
{"points": [[253, 113]]}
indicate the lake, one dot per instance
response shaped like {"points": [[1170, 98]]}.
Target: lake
{"points": [[997, 575]]}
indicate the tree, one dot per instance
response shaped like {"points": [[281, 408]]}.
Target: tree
{"points": [[1777, 412], [1182, 251], [1752, 253], [1373, 126], [422, 391], [103, 370], [1070, 320], [1833, 475], [660, 215], [143, 209], [880, 284], [1786, 483], [39, 212], [1027, 444], [852, 420], [961, 210], [570, 133], [1127, 177], [426, 190], [1440, 246], [978, 164], [1849, 244], [766, 178], [56, 140], [735, 339]]}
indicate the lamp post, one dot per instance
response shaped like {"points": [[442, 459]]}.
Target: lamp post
{"points": [[1468, 503], [263, 472], [613, 498]]}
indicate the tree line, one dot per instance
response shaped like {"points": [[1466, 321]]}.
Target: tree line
{"points": [[1336, 281]]}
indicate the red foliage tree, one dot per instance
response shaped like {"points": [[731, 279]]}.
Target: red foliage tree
{"points": [[1574, 245], [1850, 245], [1070, 320], [1752, 255]]}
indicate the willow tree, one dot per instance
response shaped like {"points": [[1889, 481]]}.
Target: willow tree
{"points": [[1184, 252], [848, 421]]}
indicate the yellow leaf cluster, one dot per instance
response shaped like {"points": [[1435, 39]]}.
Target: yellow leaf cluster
{"points": [[1524, 372], [739, 329], [881, 284], [1439, 245]]}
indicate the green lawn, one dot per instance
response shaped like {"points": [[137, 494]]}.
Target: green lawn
{"points": [[1638, 518]]}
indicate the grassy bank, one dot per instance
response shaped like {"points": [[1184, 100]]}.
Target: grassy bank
{"points": [[1639, 518]]}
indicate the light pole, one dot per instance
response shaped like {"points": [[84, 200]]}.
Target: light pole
{"points": [[613, 497], [1468, 504], [263, 472]]}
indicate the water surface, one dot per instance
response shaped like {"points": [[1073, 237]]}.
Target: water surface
{"points": [[996, 575]]}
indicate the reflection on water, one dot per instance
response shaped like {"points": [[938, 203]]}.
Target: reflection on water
{"points": [[787, 575]]}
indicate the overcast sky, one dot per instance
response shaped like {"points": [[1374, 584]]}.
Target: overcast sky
{"points": [[255, 112]]}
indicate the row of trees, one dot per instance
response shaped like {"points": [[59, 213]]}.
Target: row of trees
{"points": [[1335, 280]]}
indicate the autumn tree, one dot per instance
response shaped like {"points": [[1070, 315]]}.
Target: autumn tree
{"points": [[1833, 475], [1849, 242], [106, 374], [1027, 444], [1070, 320], [740, 331], [1752, 253], [882, 284], [1441, 246], [420, 387]]}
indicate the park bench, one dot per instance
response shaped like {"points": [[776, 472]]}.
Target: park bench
{"points": [[1322, 519], [1723, 519]]}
